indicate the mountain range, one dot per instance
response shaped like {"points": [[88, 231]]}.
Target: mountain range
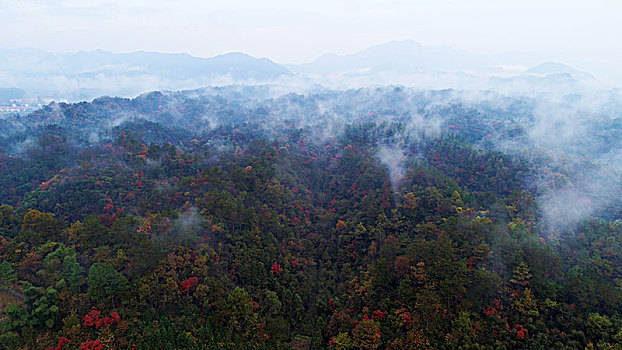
{"points": [[90, 74], [85, 75]]}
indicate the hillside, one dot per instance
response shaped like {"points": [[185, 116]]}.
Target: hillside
{"points": [[385, 218]]}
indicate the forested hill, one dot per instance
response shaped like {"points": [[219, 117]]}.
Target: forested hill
{"points": [[384, 218]]}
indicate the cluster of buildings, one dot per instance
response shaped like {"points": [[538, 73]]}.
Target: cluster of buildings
{"points": [[22, 106], [14, 108]]}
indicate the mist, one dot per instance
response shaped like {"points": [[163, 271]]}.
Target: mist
{"points": [[571, 133], [393, 158]]}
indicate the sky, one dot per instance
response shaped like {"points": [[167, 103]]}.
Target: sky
{"points": [[582, 33]]}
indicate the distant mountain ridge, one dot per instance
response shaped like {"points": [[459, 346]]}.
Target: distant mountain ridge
{"points": [[410, 63], [549, 68], [100, 72], [394, 55], [86, 75]]}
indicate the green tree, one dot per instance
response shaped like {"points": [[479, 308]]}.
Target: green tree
{"points": [[38, 314], [106, 285], [7, 275], [62, 263]]}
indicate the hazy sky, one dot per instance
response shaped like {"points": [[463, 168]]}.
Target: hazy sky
{"points": [[584, 33]]}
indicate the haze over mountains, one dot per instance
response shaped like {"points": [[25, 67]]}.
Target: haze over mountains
{"points": [[89, 74], [86, 75]]}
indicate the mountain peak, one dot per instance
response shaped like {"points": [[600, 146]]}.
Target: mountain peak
{"points": [[552, 68], [235, 54], [404, 56]]}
